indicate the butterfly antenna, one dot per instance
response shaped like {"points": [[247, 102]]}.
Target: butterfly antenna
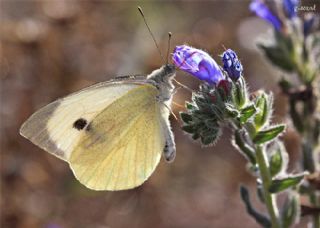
{"points": [[169, 42], [154, 40]]}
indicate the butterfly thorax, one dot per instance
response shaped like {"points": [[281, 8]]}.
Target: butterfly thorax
{"points": [[162, 79]]}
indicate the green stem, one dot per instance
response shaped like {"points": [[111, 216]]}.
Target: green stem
{"points": [[309, 148], [270, 199], [313, 197], [316, 221]]}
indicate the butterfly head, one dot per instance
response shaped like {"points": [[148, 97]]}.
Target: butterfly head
{"points": [[169, 70], [164, 74]]}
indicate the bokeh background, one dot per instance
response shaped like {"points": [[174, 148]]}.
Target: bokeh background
{"points": [[52, 48]]}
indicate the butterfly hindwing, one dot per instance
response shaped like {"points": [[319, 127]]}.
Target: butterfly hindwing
{"points": [[123, 144], [110, 133]]}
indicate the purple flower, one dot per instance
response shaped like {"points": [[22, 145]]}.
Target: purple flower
{"points": [[198, 63], [290, 7], [261, 10], [232, 64], [308, 25]]}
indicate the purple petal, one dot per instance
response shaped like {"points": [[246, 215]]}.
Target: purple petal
{"points": [[290, 7], [198, 63], [262, 11]]}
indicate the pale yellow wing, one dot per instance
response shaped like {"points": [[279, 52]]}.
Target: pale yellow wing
{"points": [[123, 144], [51, 128]]}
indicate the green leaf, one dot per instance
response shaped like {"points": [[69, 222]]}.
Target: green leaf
{"points": [[290, 213], [247, 151], [185, 117], [211, 123], [195, 136], [188, 129], [282, 184], [308, 158], [269, 134], [260, 218], [247, 112], [209, 139], [296, 117], [279, 56], [209, 135], [264, 105], [285, 85]]}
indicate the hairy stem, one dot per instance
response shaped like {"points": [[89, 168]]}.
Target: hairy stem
{"points": [[270, 199]]}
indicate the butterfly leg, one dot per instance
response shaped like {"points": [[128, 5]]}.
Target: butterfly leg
{"points": [[169, 150]]}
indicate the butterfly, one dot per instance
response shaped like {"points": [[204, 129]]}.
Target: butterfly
{"points": [[113, 133]]}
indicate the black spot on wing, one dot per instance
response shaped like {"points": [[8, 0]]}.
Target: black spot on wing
{"points": [[80, 124]]}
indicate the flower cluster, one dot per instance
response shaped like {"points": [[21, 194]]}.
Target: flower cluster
{"points": [[223, 100], [261, 9], [294, 40], [295, 49]]}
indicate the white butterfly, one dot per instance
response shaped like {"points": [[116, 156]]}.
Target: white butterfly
{"points": [[113, 133]]}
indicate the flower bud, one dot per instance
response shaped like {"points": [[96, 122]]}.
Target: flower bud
{"points": [[232, 64], [198, 63]]}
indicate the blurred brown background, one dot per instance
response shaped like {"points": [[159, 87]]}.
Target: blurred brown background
{"points": [[52, 48]]}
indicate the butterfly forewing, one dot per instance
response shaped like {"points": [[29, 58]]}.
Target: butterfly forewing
{"points": [[52, 127]]}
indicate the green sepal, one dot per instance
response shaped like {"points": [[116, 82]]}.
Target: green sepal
{"points": [[281, 184], [268, 134], [185, 117], [264, 104], [231, 111], [290, 212], [275, 164], [278, 160], [247, 112], [260, 218], [240, 93], [190, 106]]}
